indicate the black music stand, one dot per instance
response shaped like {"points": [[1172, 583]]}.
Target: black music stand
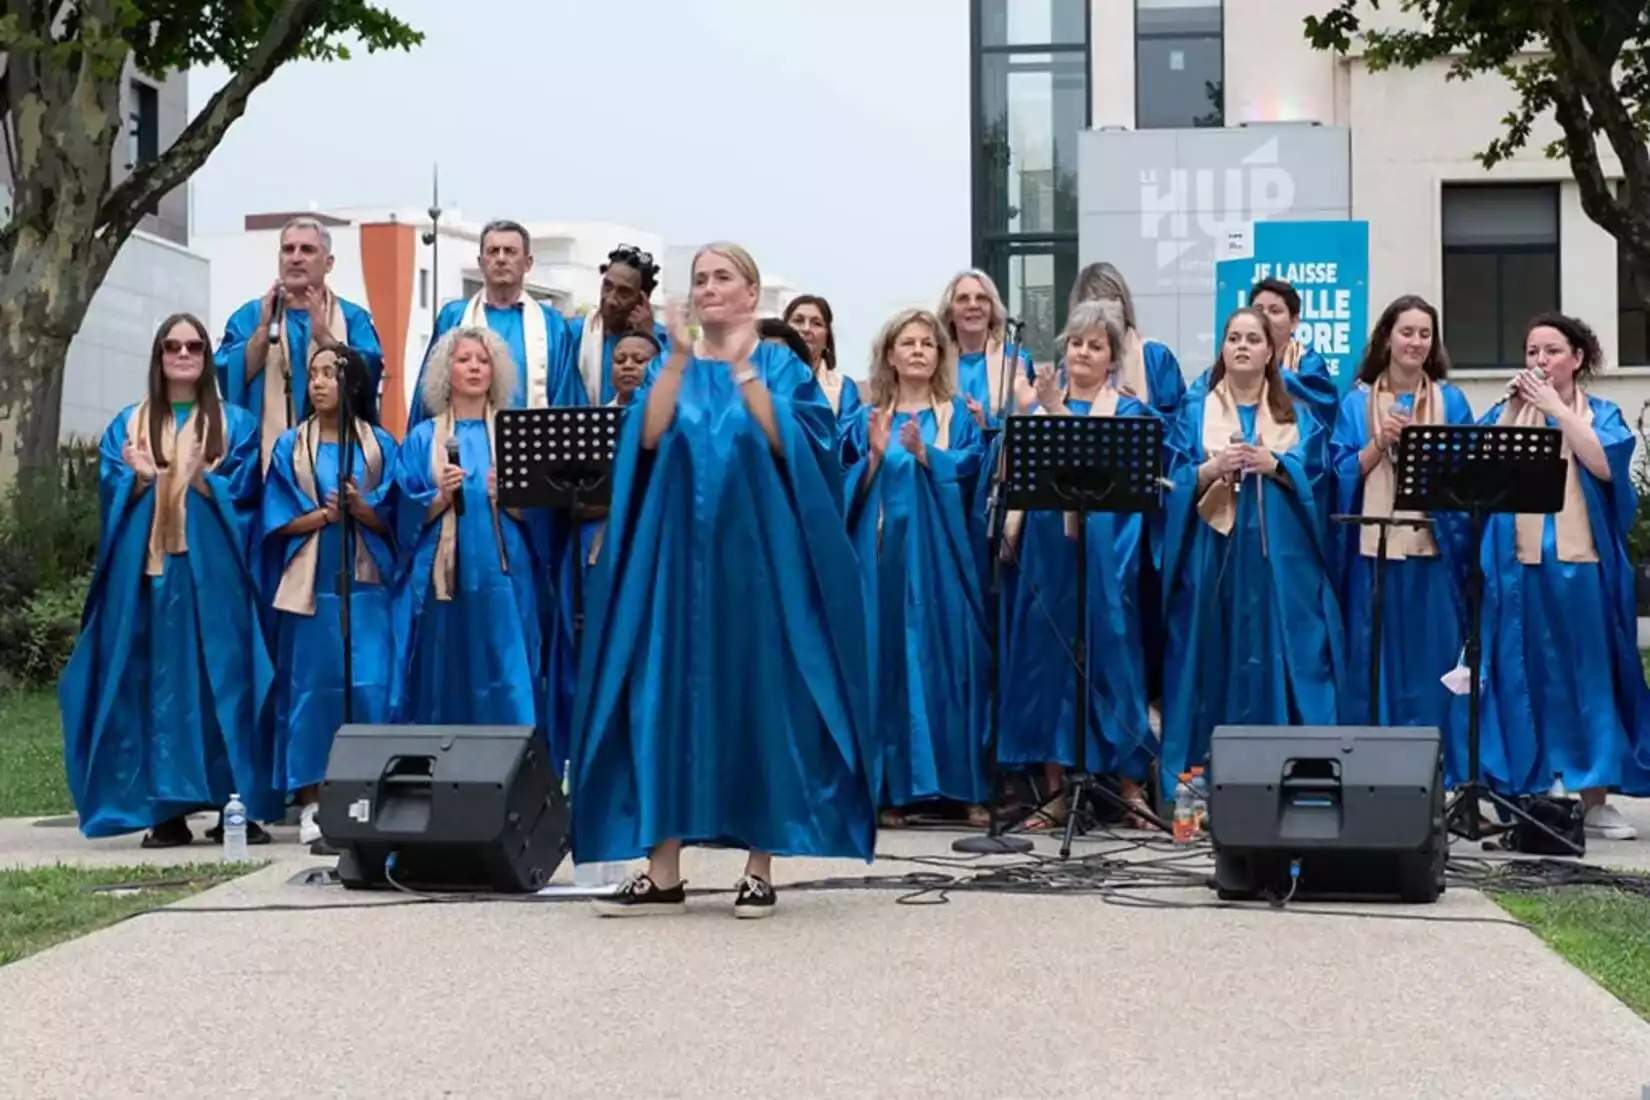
{"points": [[559, 458], [1482, 471], [1383, 525], [1085, 464]]}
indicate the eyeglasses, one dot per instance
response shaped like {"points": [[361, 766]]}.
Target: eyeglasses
{"points": [[193, 347]]}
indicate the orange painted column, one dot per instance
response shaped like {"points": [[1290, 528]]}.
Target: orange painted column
{"points": [[388, 257]]}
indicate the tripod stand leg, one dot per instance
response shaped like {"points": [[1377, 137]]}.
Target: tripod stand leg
{"points": [[1463, 818]]}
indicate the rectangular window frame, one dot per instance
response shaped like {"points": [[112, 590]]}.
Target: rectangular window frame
{"points": [[1556, 248], [1181, 36]]}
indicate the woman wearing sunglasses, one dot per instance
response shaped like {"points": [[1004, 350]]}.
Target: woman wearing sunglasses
{"points": [[164, 696]]}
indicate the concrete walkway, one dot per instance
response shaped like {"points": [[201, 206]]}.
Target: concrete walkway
{"points": [[844, 993]]}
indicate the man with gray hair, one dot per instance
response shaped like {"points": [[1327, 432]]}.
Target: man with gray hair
{"points": [[263, 360], [536, 333]]}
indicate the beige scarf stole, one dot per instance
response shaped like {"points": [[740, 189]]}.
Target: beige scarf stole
{"points": [[590, 355], [296, 593], [1293, 352], [1574, 530], [1381, 483], [1218, 505], [446, 547], [169, 526], [1131, 369], [830, 380], [1104, 404], [280, 407], [535, 339]]}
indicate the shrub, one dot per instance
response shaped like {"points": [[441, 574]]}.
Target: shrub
{"points": [[48, 546]]}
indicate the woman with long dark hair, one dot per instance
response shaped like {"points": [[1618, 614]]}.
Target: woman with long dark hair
{"points": [[811, 316], [1146, 370], [724, 683], [1251, 615], [1564, 693], [164, 699], [303, 503], [1401, 381]]}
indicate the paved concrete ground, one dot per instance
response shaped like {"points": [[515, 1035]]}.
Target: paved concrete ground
{"points": [[842, 994]]}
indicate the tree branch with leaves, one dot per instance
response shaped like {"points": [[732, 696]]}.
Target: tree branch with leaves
{"points": [[62, 106], [1583, 63]]}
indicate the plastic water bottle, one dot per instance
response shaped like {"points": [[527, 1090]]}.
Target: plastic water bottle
{"points": [[1200, 800], [1185, 810], [234, 830]]}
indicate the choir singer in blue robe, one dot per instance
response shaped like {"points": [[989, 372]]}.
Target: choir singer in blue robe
{"points": [[908, 515], [977, 322], [1563, 688], [304, 495], [466, 603], [1038, 717], [1146, 370], [164, 698], [541, 345], [268, 341], [629, 278], [1401, 381], [1254, 630], [811, 317], [724, 681]]}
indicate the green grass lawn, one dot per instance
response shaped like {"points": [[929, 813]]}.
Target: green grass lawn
{"points": [[42, 906], [32, 783], [1603, 933]]}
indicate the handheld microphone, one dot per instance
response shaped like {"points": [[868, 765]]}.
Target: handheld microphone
{"points": [[275, 315], [452, 460], [1537, 373], [1236, 439]]}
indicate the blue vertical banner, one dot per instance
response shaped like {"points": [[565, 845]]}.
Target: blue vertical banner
{"points": [[1328, 265]]}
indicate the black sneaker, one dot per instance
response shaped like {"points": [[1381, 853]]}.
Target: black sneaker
{"points": [[639, 897], [754, 898]]}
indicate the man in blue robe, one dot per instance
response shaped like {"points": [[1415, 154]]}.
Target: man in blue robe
{"points": [[272, 337], [535, 332], [629, 278]]}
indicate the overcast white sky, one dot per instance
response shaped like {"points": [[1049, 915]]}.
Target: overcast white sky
{"points": [[830, 137]]}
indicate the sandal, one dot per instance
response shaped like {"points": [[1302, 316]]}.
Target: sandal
{"points": [[1046, 818], [891, 819], [979, 817]]}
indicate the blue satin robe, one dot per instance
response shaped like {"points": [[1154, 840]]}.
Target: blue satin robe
{"points": [[1423, 619], [610, 340], [164, 699], [230, 358], [562, 383], [1563, 689], [977, 378], [930, 654], [724, 684], [309, 649], [477, 659], [1039, 683], [1253, 640], [851, 403]]}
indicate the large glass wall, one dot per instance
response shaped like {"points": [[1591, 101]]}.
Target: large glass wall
{"points": [[1030, 80]]}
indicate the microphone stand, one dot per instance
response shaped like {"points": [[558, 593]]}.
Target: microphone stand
{"points": [[994, 842]]}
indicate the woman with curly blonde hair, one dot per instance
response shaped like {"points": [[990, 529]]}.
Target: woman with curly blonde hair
{"points": [[467, 619], [908, 516]]}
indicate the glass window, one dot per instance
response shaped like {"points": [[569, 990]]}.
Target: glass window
{"points": [[1501, 267], [1632, 314], [1033, 22], [1034, 279], [143, 131], [1179, 64], [1033, 107]]}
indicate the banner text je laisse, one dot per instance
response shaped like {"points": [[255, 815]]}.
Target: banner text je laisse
{"points": [[1326, 309]]}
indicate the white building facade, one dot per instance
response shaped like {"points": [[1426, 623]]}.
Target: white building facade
{"points": [[1489, 248], [403, 267]]}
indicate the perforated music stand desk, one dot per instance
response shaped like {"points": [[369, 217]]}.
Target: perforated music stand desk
{"points": [[1482, 471], [1084, 464], [558, 458]]}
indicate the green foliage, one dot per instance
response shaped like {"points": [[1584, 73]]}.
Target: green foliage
{"points": [[48, 546], [1638, 538]]}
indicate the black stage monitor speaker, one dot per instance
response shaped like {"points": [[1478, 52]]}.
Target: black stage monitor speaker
{"points": [[1361, 808], [456, 807]]}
